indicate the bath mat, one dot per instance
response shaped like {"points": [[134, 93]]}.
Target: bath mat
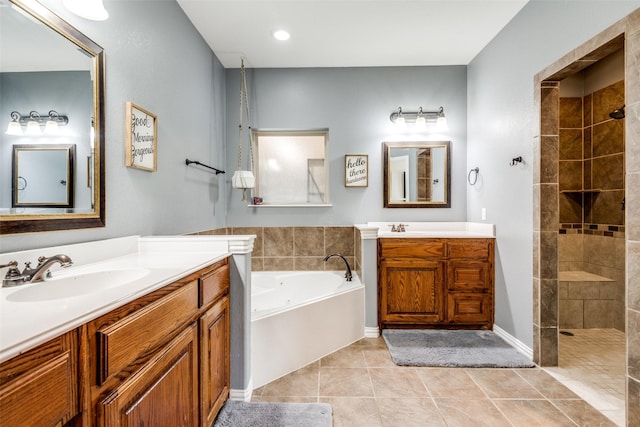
{"points": [[452, 348], [257, 414]]}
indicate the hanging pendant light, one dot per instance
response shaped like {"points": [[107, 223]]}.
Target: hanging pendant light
{"points": [[89, 9], [244, 179]]}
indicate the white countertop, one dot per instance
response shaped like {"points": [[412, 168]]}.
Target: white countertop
{"points": [[26, 324], [434, 230]]}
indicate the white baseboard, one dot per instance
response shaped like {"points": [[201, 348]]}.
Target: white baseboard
{"points": [[513, 341], [243, 395], [371, 332]]}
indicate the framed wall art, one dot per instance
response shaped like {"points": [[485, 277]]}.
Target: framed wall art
{"points": [[356, 170], [141, 138]]}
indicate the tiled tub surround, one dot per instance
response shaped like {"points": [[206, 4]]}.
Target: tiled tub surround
{"points": [[298, 248], [546, 194]]}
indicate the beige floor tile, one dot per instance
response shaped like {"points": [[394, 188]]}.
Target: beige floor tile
{"points": [[345, 382], [583, 414], [447, 382], [528, 413], [354, 411], [376, 357], [348, 357], [295, 384], [503, 383], [291, 399], [546, 384], [465, 412], [397, 382], [409, 412]]}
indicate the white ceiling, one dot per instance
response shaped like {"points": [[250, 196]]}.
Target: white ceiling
{"points": [[355, 33]]}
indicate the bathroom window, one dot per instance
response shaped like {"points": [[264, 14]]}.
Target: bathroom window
{"points": [[291, 168]]}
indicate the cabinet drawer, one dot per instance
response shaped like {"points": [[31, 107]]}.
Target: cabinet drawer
{"points": [[470, 248], [42, 397], [418, 248], [469, 276], [214, 284], [468, 308], [123, 341]]}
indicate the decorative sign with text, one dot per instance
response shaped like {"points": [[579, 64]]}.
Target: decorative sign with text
{"points": [[141, 127], [356, 170]]}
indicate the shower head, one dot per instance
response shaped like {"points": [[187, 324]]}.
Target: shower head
{"points": [[617, 114]]}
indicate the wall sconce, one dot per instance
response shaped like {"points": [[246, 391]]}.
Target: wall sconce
{"points": [[33, 122], [89, 9], [421, 119]]}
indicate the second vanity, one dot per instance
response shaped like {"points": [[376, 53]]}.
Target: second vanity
{"points": [[435, 275], [153, 329]]}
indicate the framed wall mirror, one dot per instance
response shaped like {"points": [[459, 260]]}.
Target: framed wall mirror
{"points": [[417, 174], [63, 72], [43, 175]]}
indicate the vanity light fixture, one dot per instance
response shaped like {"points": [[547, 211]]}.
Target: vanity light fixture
{"points": [[421, 118], [89, 9], [33, 122]]}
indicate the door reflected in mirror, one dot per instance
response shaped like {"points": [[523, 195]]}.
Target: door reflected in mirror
{"points": [[417, 174]]}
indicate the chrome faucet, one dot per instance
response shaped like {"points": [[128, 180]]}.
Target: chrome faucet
{"points": [[347, 274], [32, 275], [399, 228]]}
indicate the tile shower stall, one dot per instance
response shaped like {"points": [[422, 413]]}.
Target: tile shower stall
{"points": [[591, 240]]}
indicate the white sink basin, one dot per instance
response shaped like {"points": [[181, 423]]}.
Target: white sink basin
{"points": [[77, 284]]}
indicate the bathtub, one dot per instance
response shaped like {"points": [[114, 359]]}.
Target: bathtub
{"points": [[299, 317]]}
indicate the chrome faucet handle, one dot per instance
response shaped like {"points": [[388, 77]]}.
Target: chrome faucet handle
{"points": [[401, 228], [393, 228], [13, 276]]}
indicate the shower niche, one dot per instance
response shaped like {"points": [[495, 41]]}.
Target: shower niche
{"points": [[591, 241]]}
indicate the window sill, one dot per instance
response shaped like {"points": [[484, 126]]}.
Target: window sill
{"points": [[300, 205]]}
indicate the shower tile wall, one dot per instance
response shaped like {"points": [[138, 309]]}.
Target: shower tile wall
{"points": [[591, 184], [298, 248]]}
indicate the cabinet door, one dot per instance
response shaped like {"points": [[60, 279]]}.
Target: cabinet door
{"points": [[470, 309], [39, 387], [214, 356], [411, 291], [469, 276], [164, 392]]}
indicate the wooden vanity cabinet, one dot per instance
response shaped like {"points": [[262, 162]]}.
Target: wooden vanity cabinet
{"points": [[436, 283], [40, 387], [154, 361]]}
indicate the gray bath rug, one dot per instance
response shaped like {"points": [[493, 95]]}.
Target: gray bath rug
{"points": [[455, 348], [266, 414]]}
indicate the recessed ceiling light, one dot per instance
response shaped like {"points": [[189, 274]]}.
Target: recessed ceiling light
{"points": [[281, 35]]}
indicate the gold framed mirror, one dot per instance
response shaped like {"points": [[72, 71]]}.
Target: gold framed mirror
{"points": [[58, 52], [416, 174], [42, 176]]}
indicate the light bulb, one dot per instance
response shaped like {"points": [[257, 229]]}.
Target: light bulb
{"points": [[33, 128], [441, 124], [89, 9], [14, 128], [51, 127]]}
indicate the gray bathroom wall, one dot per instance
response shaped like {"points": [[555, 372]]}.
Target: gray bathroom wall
{"points": [[157, 60], [501, 126], [354, 104]]}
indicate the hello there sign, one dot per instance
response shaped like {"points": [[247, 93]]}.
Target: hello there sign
{"points": [[141, 138], [356, 170]]}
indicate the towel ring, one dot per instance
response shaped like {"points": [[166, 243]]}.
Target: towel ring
{"points": [[475, 179]]}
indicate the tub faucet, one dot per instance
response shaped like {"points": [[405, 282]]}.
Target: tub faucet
{"points": [[41, 272], [347, 274]]}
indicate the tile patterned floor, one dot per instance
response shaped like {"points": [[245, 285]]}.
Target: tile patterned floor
{"points": [[365, 388], [592, 364]]}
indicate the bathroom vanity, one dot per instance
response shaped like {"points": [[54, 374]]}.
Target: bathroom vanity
{"points": [[169, 341], [436, 278]]}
